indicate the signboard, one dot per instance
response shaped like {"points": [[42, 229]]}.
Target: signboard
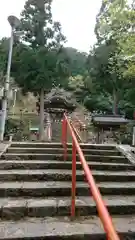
{"points": [[34, 129]]}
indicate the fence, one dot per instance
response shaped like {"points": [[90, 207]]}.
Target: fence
{"points": [[101, 208]]}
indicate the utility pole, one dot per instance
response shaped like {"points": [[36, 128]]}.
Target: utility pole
{"points": [[14, 22], [6, 90], [41, 8]]}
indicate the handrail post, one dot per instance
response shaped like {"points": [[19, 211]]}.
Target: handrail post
{"points": [[64, 137], [65, 152], [63, 129], [73, 179]]}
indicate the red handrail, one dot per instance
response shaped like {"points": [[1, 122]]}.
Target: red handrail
{"points": [[79, 126], [76, 132], [102, 209]]}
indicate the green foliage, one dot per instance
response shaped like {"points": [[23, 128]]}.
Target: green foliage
{"points": [[111, 71], [42, 63], [115, 21], [39, 28], [77, 61], [39, 69], [95, 102], [104, 78], [18, 129], [4, 44], [126, 135]]}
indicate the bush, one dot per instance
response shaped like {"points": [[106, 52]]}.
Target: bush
{"points": [[127, 135], [17, 128]]}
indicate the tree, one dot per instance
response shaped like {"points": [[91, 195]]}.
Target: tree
{"points": [[107, 66], [39, 28], [106, 71], [38, 69], [44, 38], [77, 61], [4, 46], [115, 21]]}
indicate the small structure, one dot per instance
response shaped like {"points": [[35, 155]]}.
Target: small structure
{"points": [[56, 104], [34, 133], [111, 123]]}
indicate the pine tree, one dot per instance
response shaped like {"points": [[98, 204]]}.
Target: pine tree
{"points": [[45, 38], [39, 28]]}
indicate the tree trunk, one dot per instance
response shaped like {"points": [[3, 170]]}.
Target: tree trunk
{"points": [[115, 102], [41, 129]]}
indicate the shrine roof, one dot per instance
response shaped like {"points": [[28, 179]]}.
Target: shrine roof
{"points": [[110, 120], [59, 102]]}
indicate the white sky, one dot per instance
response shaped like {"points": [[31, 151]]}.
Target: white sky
{"points": [[76, 16]]}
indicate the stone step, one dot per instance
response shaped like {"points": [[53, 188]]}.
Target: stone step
{"points": [[37, 164], [18, 208], [64, 175], [59, 145], [60, 151], [30, 156], [61, 228], [53, 189]]}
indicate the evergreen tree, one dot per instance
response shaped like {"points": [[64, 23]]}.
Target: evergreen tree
{"points": [[45, 39]]}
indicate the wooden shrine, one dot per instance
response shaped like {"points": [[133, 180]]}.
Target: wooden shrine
{"points": [[110, 123], [56, 106]]}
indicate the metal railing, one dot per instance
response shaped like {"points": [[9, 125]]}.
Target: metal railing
{"points": [[80, 128], [101, 208], [76, 132]]}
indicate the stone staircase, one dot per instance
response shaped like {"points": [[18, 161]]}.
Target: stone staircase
{"points": [[35, 193], [57, 132]]}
